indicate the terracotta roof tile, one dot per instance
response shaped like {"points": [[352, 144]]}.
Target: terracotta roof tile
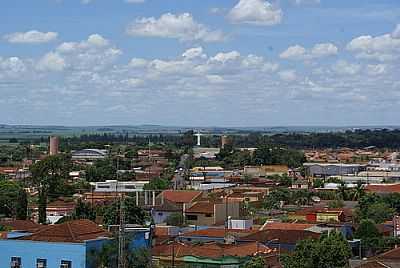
{"points": [[383, 188], [220, 232], [76, 231], [282, 236], [287, 226], [180, 196], [211, 250], [22, 225], [201, 208]]}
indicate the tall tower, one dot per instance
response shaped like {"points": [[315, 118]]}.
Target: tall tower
{"points": [[198, 135], [224, 141], [54, 144]]}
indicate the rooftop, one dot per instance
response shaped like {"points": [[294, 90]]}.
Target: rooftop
{"points": [[180, 196], [212, 250], [22, 225], [76, 231]]}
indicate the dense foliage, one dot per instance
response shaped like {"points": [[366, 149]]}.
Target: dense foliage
{"points": [[330, 250], [13, 200], [133, 214]]}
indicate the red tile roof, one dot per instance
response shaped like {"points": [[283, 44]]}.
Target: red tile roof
{"points": [[22, 225], [76, 231], [383, 188], [282, 236], [211, 250], [287, 226], [220, 232], [393, 254], [180, 196], [201, 208]]}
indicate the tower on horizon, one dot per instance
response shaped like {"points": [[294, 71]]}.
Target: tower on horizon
{"points": [[54, 144]]}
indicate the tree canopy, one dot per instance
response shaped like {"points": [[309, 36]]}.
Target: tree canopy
{"points": [[330, 250]]}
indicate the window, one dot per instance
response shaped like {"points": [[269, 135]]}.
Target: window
{"points": [[16, 262], [160, 214], [208, 215], [41, 263], [103, 186], [66, 264], [191, 217]]}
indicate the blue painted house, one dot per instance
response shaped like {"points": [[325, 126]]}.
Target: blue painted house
{"points": [[68, 245]]}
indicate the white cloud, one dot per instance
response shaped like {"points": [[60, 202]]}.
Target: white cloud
{"points": [[138, 63], [323, 50], [196, 52], [182, 27], [396, 32], [225, 57], [51, 62], [346, 68], [255, 12], [12, 65], [298, 52], [376, 69], [95, 52], [133, 82], [383, 48], [288, 75], [31, 37], [293, 52]]}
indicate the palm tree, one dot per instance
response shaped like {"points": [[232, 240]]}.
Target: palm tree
{"points": [[358, 192], [342, 189]]}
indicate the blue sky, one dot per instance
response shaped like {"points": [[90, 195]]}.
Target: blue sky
{"points": [[200, 63]]}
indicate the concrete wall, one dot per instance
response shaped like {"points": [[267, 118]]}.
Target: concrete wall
{"points": [[160, 216], [220, 210]]}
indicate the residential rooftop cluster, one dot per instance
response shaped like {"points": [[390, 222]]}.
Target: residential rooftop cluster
{"points": [[82, 203]]}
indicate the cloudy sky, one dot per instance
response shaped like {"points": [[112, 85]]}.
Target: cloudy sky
{"points": [[200, 63]]}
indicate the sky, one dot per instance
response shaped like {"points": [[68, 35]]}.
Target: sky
{"points": [[200, 63]]}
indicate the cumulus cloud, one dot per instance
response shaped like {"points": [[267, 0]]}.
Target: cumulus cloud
{"points": [[12, 65], [182, 27], [95, 52], [196, 52], [298, 52], [225, 57], [288, 75], [255, 12], [51, 62], [376, 69], [31, 37], [346, 68], [396, 32], [382, 48]]}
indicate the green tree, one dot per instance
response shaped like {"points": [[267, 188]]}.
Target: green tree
{"points": [[101, 170], [83, 211], [50, 176], [157, 184], [255, 262], [378, 212], [337, 203], [133, 213], [368, 233], [13, 202], [330, 250], [175, 219]]}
